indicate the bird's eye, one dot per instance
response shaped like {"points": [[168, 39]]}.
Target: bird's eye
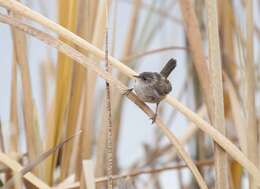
{"points": [[144, 79]]}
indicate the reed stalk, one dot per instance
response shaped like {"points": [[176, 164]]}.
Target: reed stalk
{"points": [[249, 95], [217, 100], [72, 96]]}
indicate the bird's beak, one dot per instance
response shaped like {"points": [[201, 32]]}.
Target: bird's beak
{"points": [[136, 76]]}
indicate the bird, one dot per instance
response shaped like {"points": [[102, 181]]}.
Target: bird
{"points": [[153, 87]]}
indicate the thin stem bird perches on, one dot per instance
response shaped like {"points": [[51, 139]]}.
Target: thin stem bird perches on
{"points": [[109, 145]]}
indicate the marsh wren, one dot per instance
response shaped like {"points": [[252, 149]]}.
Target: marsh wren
{"points": [[152, 87]]}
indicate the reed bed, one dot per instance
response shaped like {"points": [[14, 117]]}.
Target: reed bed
{"points": [[74, 138]]}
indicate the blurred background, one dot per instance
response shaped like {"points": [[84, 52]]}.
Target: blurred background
{"points": [[45, 97]]}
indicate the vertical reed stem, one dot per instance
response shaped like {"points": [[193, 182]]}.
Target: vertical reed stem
{"points": [[249, 94], [109, 149], [217, 100]]}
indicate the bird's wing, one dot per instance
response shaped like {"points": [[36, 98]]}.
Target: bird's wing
{"points": [[163, 87]]}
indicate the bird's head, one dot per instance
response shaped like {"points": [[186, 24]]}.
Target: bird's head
{"points": [[147, 77]]}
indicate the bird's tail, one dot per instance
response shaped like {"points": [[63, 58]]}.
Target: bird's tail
{"points": [[167, 69]]}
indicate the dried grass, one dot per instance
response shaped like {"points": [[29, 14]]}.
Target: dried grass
{"points": [[217, 99], [80, 37]]}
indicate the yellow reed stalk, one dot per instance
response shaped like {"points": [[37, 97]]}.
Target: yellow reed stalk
{"points": [[75, 156], [76, 79], [67, 17], [227, 31], [72, 97], [249, 92], [114, 26], [33, 142], [237, 173], [86, 29], [47, 73], [196, 47], [232, 103], [44, 75], [86, 16], [13, 113], [237, 113], [217, 100]]}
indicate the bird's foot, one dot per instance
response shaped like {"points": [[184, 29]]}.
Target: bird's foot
{"points": [[128, 91], [153, 118]]}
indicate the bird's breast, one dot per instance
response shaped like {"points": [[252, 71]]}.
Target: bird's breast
{"points": [[147, 92]]}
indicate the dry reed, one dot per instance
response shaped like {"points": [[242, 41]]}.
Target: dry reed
{"points": [[217, 99], [72, 99]]}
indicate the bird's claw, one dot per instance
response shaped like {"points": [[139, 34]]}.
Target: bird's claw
{"points": [[128, 91], [153, 118]]}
